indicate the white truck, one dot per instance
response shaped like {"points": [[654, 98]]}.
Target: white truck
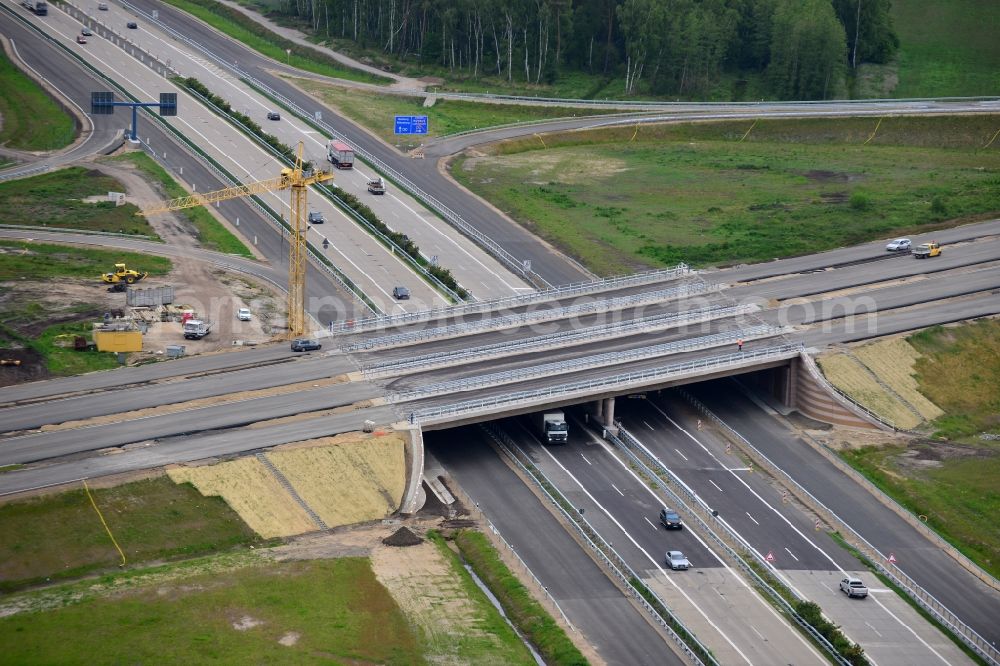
{"points": [[37, 6], [340, 154], [196, 329], [553, 427]]}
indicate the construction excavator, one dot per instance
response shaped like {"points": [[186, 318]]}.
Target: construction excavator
{"points": [[122, 274]]}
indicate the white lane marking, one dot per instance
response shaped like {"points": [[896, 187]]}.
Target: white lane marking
{"points": [[809, 541], [732, 530], [432, 227], [872, 627], [682, 455], [792, 554], [649, 521], [654, 561], [752, 518], [585, 459], [239, 166], [908, 628], [752, 491], [716, 485], [616, 488], [649, 426], [760, 635]]}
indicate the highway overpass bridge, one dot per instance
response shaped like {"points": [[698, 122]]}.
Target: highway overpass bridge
{"points": [[580, 343]]}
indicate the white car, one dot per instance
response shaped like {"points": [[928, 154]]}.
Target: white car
{"points": [[243, 314], [853, 587], [676, 560], [899, 245]]}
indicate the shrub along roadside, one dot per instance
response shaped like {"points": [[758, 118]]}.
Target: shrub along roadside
{"points": [[526, 613], [194, 85]]}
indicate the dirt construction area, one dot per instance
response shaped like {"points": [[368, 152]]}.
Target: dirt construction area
{"points": [[209, 292], [29, 307]]}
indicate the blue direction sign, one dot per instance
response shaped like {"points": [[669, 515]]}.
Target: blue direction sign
{"points": [[411, 124]]}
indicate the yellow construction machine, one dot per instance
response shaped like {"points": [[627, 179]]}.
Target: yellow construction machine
{"points": [[122, 274]]}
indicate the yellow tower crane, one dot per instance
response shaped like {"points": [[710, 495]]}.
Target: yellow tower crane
{"points": [[291, 178]]}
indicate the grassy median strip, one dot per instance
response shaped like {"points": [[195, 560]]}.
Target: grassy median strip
{"points": [[526, 613], [732, 192], [31, 119], [268, 43]]}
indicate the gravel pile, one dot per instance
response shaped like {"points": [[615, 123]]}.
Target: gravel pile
{"points": [[404, 536]]}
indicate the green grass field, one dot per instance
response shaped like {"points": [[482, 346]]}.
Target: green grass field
{"points": [[268, 43], [376, 111], [61, 536], [31, 119], [959, 497], [947, 48], [961, 375], [211, 234], [197, 580], [57, 199], [633, 198], [45, 261], [331, 611], [957, 483]]}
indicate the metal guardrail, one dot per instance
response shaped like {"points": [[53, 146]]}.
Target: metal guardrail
{"points": [[914, 590], [621, 382], [481, 239], [643, 459], [583, 363], [553, 293], [532, 317], [552, 340], [524, 565], [606, 554], [13, 173]]}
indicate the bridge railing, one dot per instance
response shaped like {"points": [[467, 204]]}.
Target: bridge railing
{"points": [[531, 317], [584, 363], [615, 383], [969, 636], [614, 563], [551, 294], [554, 340]]}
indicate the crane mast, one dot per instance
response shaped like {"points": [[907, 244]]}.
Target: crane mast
{"points": [[296, 180]]}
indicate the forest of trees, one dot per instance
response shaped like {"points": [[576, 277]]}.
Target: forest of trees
{"points": [[801, 48]]}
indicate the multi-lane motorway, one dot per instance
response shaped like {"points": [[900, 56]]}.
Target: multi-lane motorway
{"points": [[197, 407]]}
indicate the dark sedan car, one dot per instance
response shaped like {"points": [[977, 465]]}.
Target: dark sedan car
{"points": [[305, 344], [670, 520]]}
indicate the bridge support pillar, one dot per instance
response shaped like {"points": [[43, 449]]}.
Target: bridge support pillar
{"points": [[599, 410], [608, 410]]}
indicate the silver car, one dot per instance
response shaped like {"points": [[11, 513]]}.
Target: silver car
{"points": [[677, 561], [899, 245], [853, 587]]}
